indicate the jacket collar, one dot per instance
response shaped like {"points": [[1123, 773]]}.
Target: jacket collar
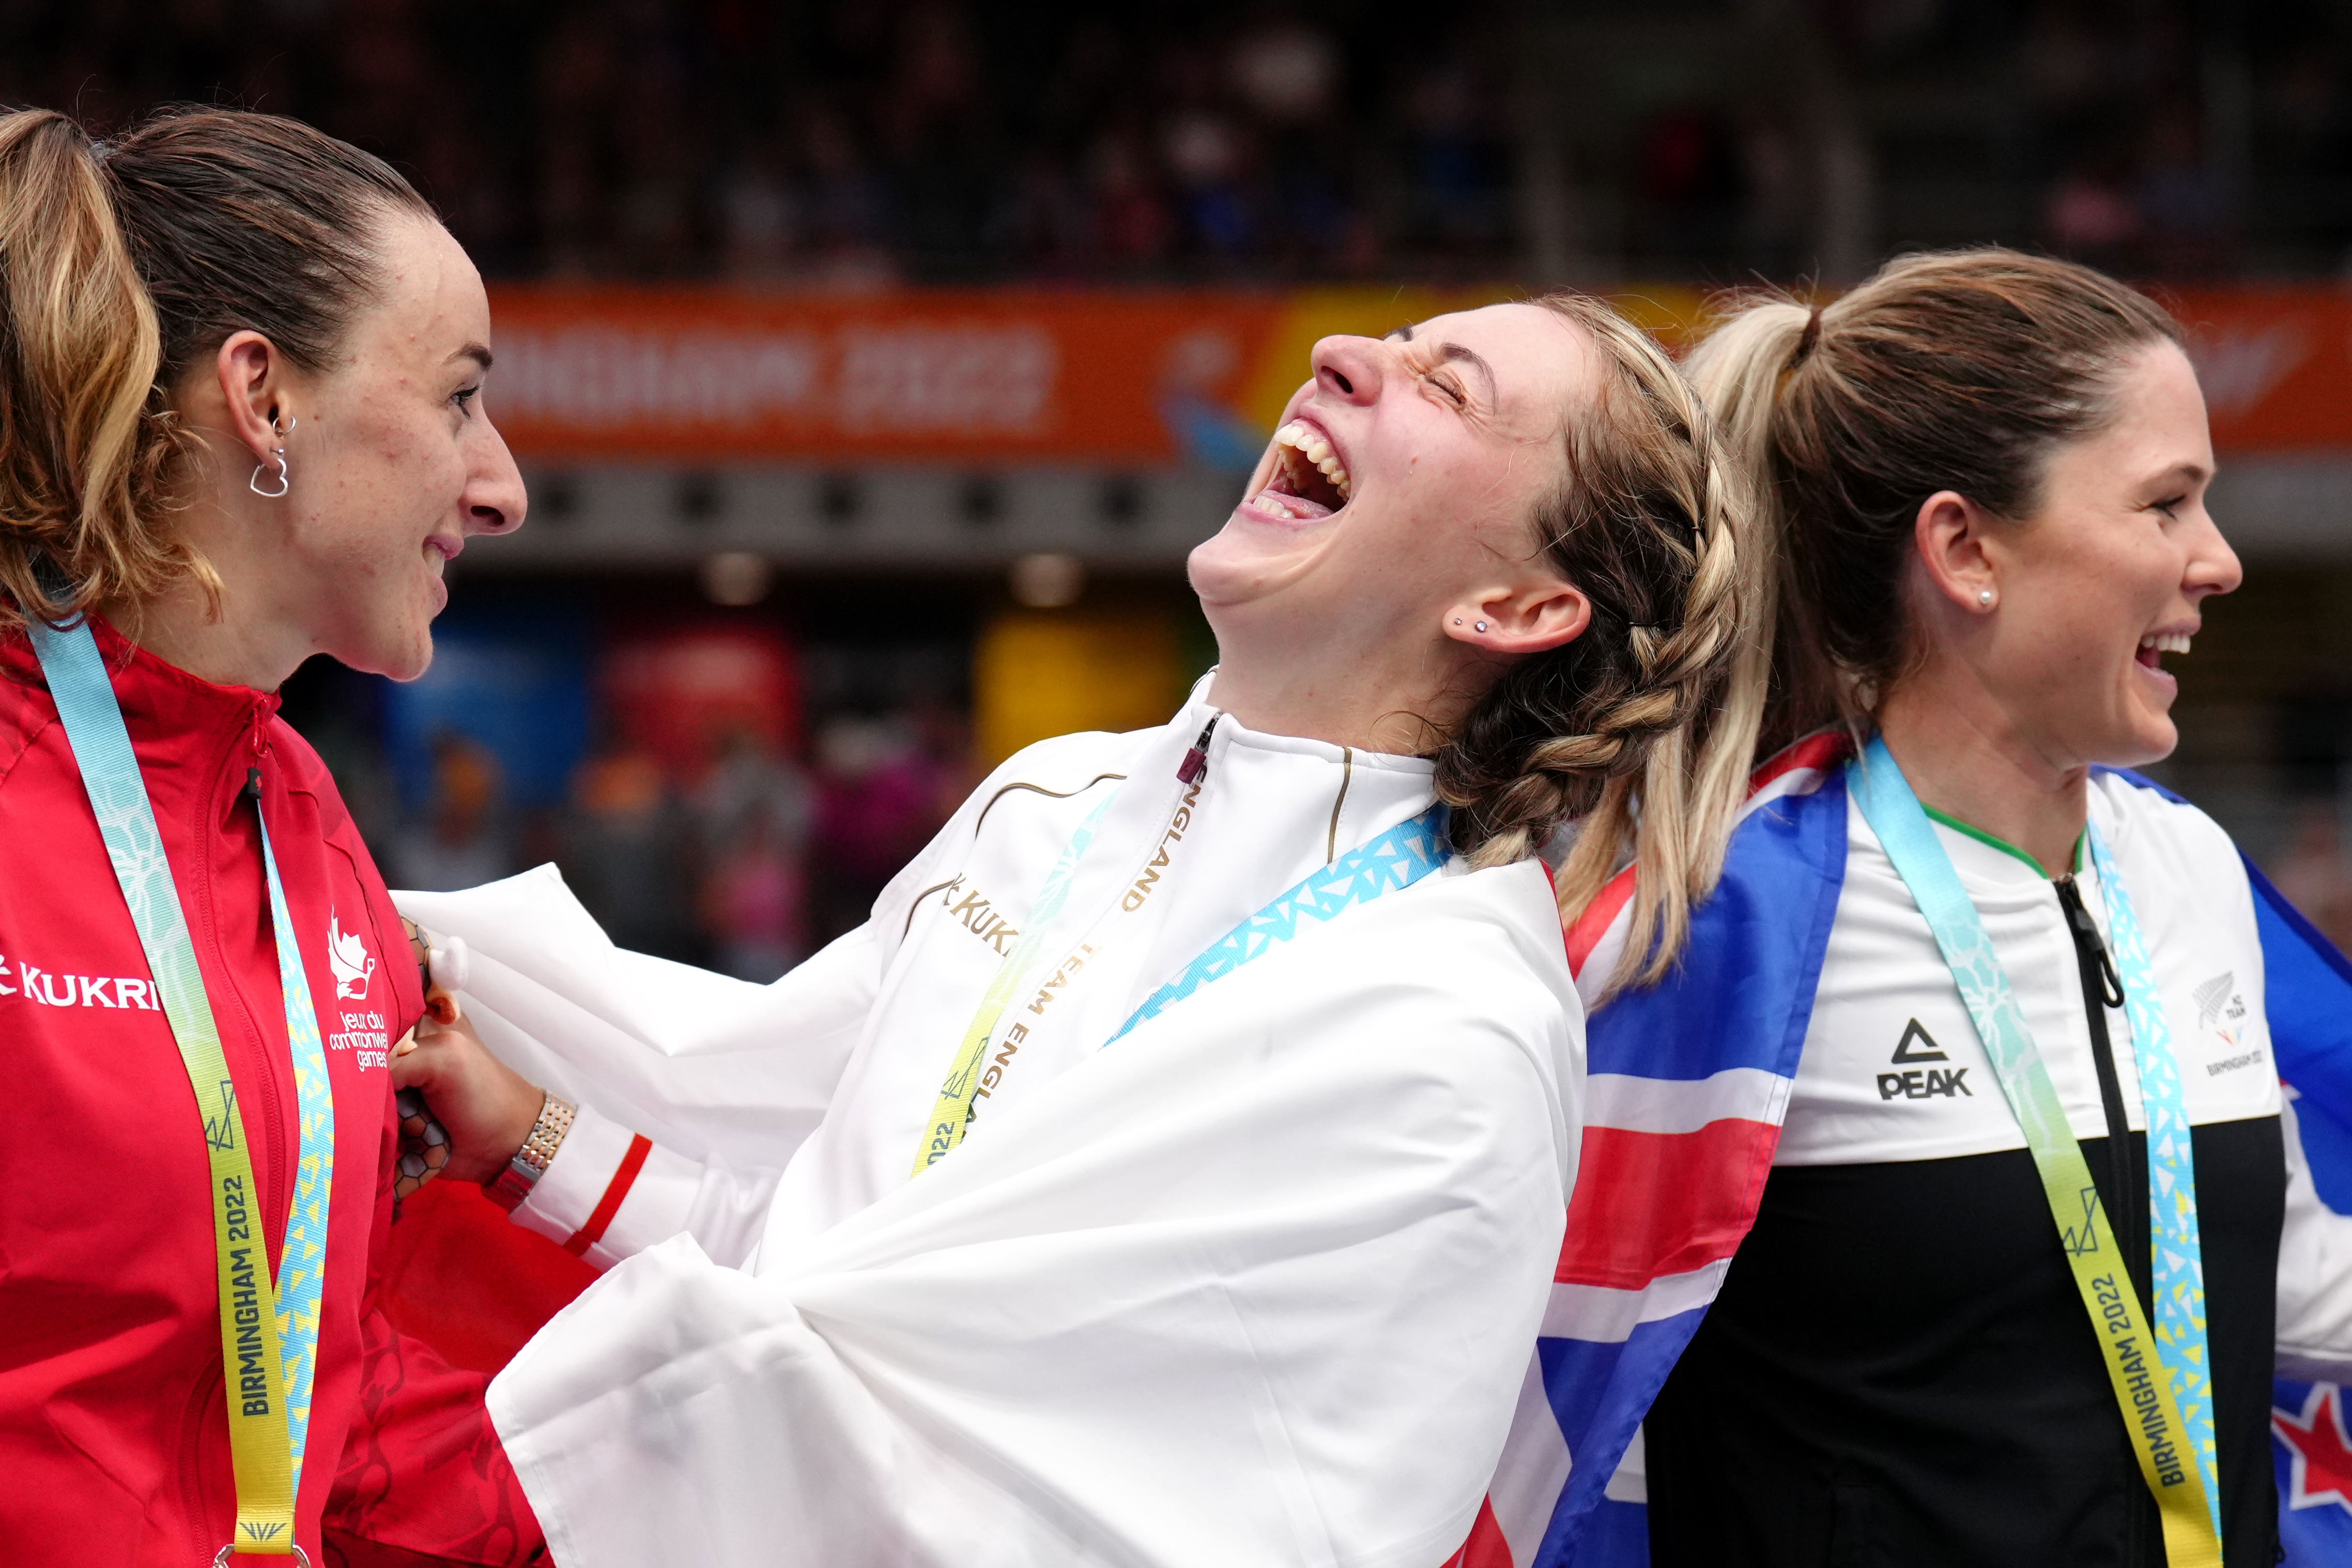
{"points": [[159, 699]]}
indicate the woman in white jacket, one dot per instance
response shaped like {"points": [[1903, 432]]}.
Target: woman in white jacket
{"points": [[1172, 1169]]}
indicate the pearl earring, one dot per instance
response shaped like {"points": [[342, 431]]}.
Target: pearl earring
{"points": [[1481, 626], [1984, 598]]}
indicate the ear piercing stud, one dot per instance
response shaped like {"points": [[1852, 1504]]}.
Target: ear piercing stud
{"points": [[1481, 626], [1457, 620], [1984, 598]]}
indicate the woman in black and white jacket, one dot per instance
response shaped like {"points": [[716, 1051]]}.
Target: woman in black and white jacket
{"points": [[1989, 472]]}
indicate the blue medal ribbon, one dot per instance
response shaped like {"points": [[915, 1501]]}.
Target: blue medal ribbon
{"points": [[1387, 863]]}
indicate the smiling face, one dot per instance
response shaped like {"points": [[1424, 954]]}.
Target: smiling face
{"points": [[394, 462], [1401, 486], [2108, 575]]}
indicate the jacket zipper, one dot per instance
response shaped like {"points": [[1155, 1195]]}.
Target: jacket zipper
{"points": [[1195, 765], [281, 1189], [193, 1427], [2128, 1212]]}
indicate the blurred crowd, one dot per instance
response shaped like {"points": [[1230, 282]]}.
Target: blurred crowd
{"points": [[858, 143], [2156, 138], [854, 142], [747, 869]]}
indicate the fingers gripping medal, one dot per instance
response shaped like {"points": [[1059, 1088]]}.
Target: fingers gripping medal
{"points": [[424, 1146]]}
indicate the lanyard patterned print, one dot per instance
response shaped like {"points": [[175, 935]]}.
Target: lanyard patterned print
{"points": [[2179, 1267], [2159, 1409], [1387, 863], [269, 1331]]}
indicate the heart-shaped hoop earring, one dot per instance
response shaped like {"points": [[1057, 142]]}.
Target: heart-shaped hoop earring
{"points": [[280, 478]]}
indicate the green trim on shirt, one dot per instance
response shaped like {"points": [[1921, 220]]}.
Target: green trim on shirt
{"points": [[2003, 845]]}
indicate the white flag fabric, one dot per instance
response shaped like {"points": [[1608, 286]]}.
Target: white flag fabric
{"points": [[1257, 1284]]}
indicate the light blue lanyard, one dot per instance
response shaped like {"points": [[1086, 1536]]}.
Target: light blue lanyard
{"points": [[2179, 1267], [1388, 863], [952, 1109], [76, 672], [1895, 814]]}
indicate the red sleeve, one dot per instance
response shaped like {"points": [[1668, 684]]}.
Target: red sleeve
{"points": [[423, 1479]]}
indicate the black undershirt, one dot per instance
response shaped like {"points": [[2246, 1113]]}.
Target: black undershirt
{"points": [[1899, 1372]]}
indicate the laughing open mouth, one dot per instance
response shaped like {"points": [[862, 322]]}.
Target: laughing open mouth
{"points": [[1309, 480], [2158, 643]]}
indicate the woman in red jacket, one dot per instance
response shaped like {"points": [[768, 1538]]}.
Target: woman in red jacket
{"points": [[240, 423]]}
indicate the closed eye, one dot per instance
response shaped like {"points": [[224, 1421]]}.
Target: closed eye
{"points": [[2170, 507], [463, 397]]}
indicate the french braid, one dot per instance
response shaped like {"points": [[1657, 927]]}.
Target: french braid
{"points": [[1640, 732]]}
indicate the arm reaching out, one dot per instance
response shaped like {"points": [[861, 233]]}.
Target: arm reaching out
{"points": [[607, 1191], [1144, 1316]]}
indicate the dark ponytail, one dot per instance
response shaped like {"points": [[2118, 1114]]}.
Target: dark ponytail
{"points": [[1956, 370]]}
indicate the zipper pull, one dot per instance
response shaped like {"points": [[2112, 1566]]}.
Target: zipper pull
{"points": [[260, 749], [2086, 938], [1195, 764]]}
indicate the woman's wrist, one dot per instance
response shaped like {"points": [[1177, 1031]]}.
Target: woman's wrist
{"points": [[524, 1114], [532, 1152]]}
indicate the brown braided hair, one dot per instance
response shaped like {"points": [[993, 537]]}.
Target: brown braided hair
{"points": [[1641, 729], [120, 268]]}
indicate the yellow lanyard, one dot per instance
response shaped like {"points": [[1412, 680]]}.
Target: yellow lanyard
{"points": [[2167, 1407], [952, 1111], [270, 1330]]}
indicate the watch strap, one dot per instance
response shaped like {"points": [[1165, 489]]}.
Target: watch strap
{"points": [[513, 1185]]}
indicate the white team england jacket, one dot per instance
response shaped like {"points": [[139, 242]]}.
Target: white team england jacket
{"points": [[1254, 1285]]}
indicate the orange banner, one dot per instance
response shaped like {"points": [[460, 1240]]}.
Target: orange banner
{"points": [[1144, 377], [977, 376], [2276, 366]]}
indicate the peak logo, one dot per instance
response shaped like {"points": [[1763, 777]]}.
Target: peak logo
{"points": [[347, 955], [1931, 1083], [1916, 1045]]}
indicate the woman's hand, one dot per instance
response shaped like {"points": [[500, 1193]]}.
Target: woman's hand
{"points": [[488, 1106]]}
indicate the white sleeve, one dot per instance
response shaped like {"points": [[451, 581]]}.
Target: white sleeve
{"points": [[726, 1079], [658, 1195], [1257, 1285], [703, 1064], [2314, 1279]]}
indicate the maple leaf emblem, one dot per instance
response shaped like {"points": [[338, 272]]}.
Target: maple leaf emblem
{"points": [[348, 956]]}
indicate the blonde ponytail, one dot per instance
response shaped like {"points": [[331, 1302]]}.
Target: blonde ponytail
{"points": [[84, 444], [1738, 371]]}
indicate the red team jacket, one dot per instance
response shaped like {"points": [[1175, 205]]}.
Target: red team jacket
{"points": [[113, 1437]]}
